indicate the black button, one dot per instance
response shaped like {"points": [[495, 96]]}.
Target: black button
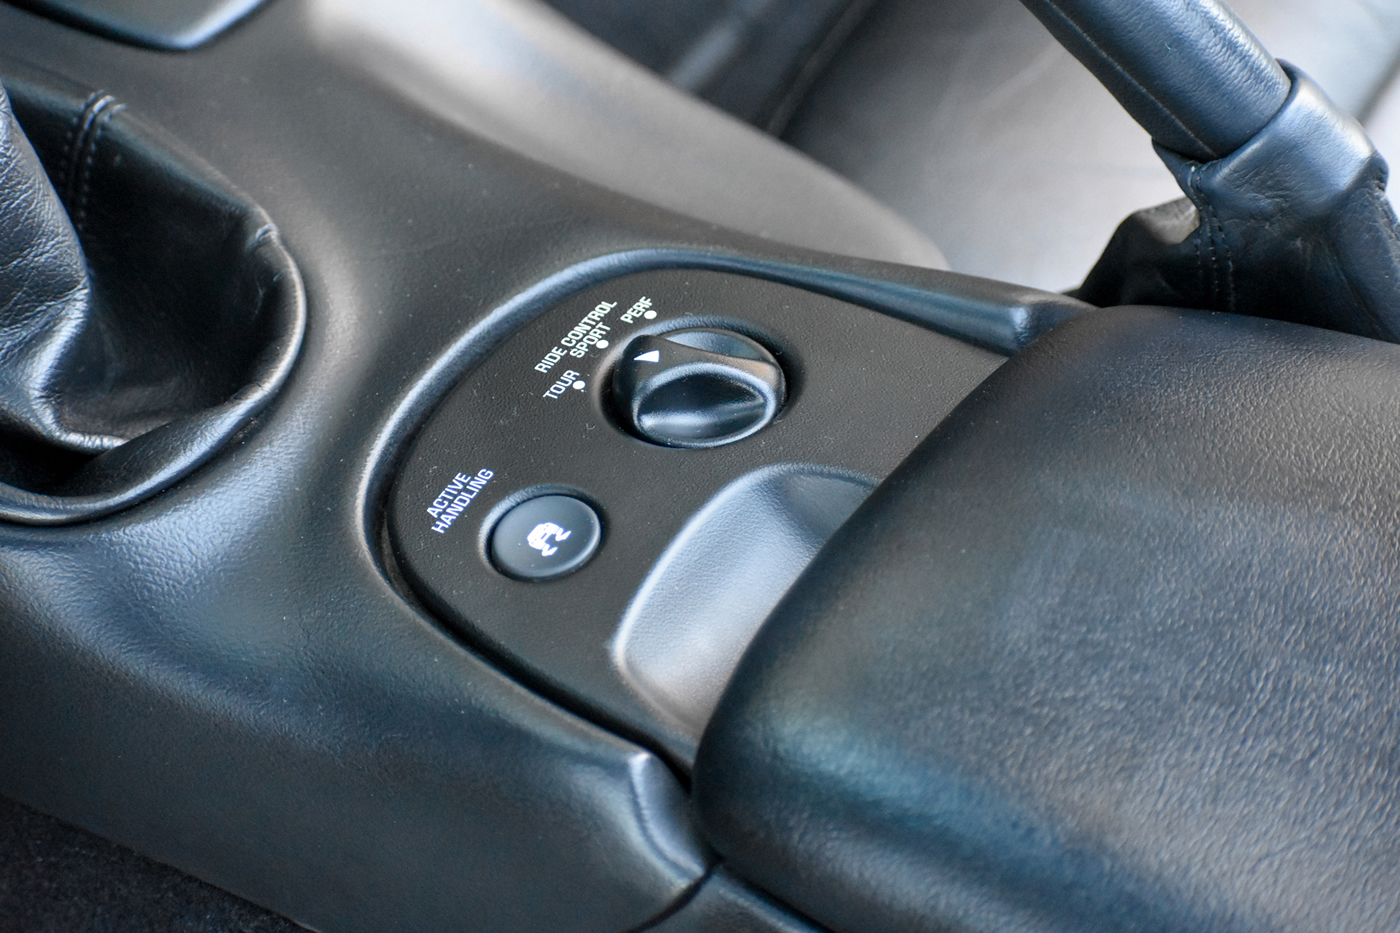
{"points": [[545, 537]]}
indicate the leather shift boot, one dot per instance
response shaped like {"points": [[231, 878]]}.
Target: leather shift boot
{"points": [[1294, 225], [47, 343], [147, 309]]}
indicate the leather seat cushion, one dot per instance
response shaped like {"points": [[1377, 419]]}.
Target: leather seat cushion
{"points": [[970, 120]]}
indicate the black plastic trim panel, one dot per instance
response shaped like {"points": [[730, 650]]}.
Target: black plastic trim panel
{"points": [[171, 25]]}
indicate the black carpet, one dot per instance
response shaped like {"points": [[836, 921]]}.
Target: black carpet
{"points": [[55, 878]]}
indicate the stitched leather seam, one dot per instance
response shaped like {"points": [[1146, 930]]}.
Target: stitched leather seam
{"points": [[1205, 227], [1202, 275], [1376, 192], [1128, 78], [1229, 272], [1227, 261], [109, 108], [77, 127], [1212, 265], [1223, 259]]}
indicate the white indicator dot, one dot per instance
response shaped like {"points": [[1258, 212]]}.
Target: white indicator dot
{"points": [[580, 385], [602, 344], [649, 315]]}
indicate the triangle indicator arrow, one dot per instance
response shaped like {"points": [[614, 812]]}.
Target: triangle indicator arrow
{"points": [[651, 356]]}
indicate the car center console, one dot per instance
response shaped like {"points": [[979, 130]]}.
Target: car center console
{"points": [[428, 640], [629, 572], [481, 490]]}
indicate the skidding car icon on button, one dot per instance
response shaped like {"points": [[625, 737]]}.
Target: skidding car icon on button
{"points": [[545, 537], [539, 536]]}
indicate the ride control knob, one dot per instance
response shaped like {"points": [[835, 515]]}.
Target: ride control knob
{"points": [[698, 387]]}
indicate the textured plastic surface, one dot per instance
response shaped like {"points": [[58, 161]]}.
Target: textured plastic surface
{"points": [[1115, 649], [537, 417]]}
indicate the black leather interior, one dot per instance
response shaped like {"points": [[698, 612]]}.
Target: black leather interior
{"points": [[230, 677], [1113, 650], [1187, 70], [48, 295], [968, 118], [117, 382], [752, 59], [517, 74], [725, 904], [1293, 225]]}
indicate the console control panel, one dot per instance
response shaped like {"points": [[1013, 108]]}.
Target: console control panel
{"points": [[577, 478]]}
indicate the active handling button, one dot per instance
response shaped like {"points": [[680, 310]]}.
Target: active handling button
{"points": [[546, 537]]}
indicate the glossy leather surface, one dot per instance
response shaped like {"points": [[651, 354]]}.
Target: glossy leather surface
{"points": [[1188, 71], [1294, 225], [1115, 649], [229, 676], [519, 74], [724, 904], [223, 678], [752, 60], [46, 296], [114, 387]]}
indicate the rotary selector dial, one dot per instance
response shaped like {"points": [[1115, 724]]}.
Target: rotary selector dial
{"points": [[698, 387]]}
